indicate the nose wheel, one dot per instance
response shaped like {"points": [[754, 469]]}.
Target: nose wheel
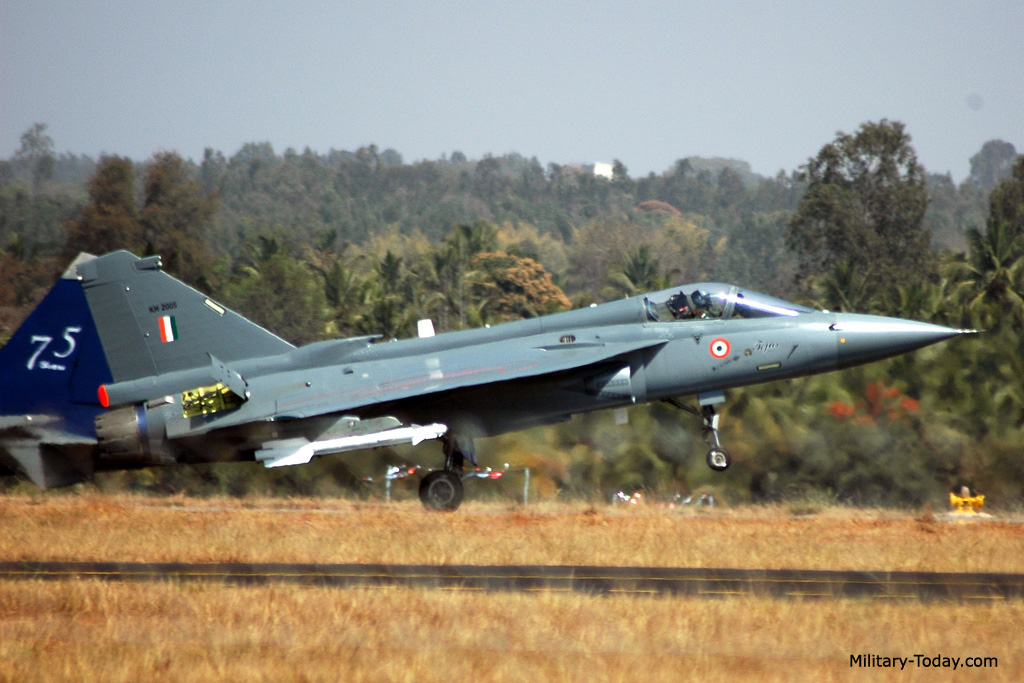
{"points": [[718, 458]]}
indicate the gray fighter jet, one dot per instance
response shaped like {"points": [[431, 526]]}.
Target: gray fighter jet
{"points": [[192, 381]]}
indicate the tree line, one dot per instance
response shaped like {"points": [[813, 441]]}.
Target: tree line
{"points": [[318, 246]]}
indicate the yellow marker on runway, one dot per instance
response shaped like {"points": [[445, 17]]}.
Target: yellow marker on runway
{"points": [[965, 503]]}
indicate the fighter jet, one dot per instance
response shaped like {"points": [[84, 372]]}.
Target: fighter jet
{"points": [[191, 381]]}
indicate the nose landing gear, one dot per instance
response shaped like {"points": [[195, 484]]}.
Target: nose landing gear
{"points": [[718, 458]]}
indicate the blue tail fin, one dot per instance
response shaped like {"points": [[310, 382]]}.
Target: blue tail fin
{"points": [[52, 366]]}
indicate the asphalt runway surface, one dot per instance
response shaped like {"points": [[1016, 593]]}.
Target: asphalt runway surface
{"points": [[699, 582]]}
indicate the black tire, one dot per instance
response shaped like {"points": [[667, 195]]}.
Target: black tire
{"points": [[441, 490], [719, 459]]}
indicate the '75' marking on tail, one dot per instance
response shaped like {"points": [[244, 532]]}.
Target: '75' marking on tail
{"points": [[44, 341]]}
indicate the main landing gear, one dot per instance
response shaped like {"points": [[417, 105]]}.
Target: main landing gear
{"points": [[442, 489], [718, 458]]}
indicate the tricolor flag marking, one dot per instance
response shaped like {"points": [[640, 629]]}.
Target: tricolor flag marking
{"points": [[168, 329]]}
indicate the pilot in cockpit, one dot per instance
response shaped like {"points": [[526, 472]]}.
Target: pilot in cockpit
{"points": [[698, 306], [701, 304], [679, 307]]}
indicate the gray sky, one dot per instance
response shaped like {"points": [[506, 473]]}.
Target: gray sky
{"points": [[567, 82]]}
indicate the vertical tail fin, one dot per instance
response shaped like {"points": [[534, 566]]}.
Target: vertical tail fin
{"points": [[151, 324], [49, 372], [54, 362]]}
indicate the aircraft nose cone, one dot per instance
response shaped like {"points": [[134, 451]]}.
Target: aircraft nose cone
{"points": [[865, 338]]}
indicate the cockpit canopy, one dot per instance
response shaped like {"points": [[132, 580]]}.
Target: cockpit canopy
{"points": [[715, 301]]}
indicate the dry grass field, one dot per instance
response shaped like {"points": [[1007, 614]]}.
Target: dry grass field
{"points": [[91, 630]]}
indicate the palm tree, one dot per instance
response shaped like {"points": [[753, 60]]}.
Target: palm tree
{"points": [[387, 298], [846, 288], [928, 301], [992, 276], [638, 272], [451, 275]]}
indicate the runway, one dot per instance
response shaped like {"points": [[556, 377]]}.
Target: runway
{"points": [[697, 582]]}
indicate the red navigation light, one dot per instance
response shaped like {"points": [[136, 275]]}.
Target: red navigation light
{"points": [[104, 399]]}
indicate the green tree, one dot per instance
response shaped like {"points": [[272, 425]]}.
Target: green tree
{"points": [[517, 287], [110, 220], [865, 204], [989, 279], [343, 289], [845, 288], [992, 274], [927, 301], [175, 218], [730, 192], [452, 276], [1006, 203], [952, 210], [278, 292], [36, 155], [639, 271], [757, 256], [992, 163], [619, 171], [389, 309]]}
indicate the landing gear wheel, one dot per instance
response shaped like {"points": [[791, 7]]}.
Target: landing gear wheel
{"points": [[441, 490], [719, 459]]}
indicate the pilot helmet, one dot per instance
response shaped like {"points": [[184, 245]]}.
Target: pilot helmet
{"points": [[700, 299], [676, 303]]}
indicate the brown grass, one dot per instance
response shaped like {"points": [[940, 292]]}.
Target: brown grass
{"points": [[88, 630], [91, 630], [142, 529]]}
